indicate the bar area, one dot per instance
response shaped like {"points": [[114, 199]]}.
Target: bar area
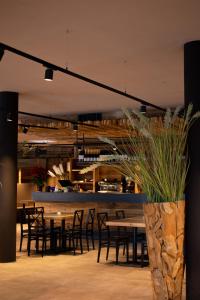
{"points": [[99, 153]]}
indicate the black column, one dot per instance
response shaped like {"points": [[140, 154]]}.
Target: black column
{"points": [[8, 174], [192, 95]]}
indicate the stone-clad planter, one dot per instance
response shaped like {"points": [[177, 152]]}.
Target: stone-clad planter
{"points": [[165, 238]]}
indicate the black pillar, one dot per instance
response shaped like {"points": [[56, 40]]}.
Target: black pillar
{"points": [[8, 174], [192, 95]]}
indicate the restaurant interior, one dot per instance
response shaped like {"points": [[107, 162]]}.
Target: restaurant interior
{"points": [[72, 67]]}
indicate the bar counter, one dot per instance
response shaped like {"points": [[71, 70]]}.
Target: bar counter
{"points": [[68, 202], [72, 197]]}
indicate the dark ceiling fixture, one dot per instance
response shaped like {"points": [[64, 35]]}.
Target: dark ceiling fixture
{"points": [[56, 119], [25, 129], [76, 75], [143, 109], [75, 127], [9, 117], [48, 76]]}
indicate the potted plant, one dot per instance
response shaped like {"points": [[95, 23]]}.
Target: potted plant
{"points": [[155, 156], [39, 177]]}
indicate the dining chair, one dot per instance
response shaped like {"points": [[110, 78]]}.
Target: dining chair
{"points": [[122, 231], [39, 232], [141, 239], [22, 218], [89, 227], [106, 239], [36, 229], [74, 234]]}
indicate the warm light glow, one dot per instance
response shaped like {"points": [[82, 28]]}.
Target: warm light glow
{"points": [[20, 176], [42, 141], [68, 166], [136, 189]]}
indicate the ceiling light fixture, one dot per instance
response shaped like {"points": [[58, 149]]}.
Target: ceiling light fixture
{"points": [[143, 109], [25, 130], [75, 127], [9, 117], [48, 76]]}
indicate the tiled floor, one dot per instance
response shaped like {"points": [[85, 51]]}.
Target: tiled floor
{"points": [[67, 277]]}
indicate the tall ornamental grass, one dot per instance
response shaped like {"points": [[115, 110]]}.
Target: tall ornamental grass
{"points": [[155, 155]]}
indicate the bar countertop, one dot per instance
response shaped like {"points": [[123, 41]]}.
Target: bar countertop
{"points": [[85, 197]]}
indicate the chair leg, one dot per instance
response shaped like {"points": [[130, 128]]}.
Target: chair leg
{"points": [[127, 251], [108, 248], [81, 245], [92, 236], [29, 247], [99, 253], [73, 245], [87, 241], [69, 242], [76, 242], [43, 245], [21, 240], [142, 255], [37, 244], [124, 248], [117, 252]]}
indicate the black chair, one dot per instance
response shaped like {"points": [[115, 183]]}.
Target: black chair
{"points": [[39, 232], [22, 218], [36, 229], [108, 240], [120, 214], [122, 231], [141, 239], [74, 234], [89, 227]]}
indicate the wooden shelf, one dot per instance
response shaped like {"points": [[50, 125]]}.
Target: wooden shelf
{"points": [[88, 182]]}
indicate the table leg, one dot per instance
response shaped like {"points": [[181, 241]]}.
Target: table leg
{"points": [[134, 244], [52, 238], [63, 238]]}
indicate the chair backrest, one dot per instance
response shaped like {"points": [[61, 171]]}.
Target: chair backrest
{"points": [[104, 231], [36, 219], [22, 214], [78, 219], [120, 214], [90, 219]]}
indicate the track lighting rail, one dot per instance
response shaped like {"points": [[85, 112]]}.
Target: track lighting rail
{"points": [[37, 126], [56, 119], [76, 75]]}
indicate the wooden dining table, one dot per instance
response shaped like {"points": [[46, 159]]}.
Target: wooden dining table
{"points": [[55, 217], [58, 215], [134, 222]]}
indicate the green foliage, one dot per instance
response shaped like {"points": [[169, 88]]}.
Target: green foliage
{"points": [[156, 154], [39, 176]]}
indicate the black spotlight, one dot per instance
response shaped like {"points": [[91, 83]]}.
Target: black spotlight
{"points": [[1, 53], [9, 117], [143, 109], [75, 127], [48, 74], [25, 130]]}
